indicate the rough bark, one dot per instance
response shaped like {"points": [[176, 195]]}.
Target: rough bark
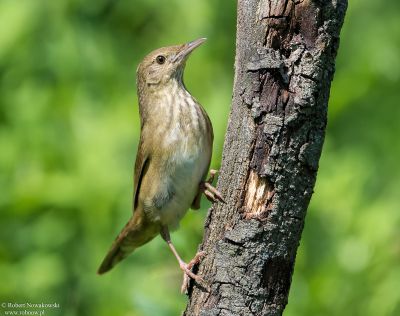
{"points": [[285, 53]]}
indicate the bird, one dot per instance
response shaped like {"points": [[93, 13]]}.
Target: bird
{"points": [[173, 157]]}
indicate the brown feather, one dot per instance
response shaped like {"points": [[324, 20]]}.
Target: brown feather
{"points": [[135, 234], [173, 155]]}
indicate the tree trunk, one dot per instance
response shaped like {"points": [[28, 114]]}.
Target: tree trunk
{"points": [[285, 53]]}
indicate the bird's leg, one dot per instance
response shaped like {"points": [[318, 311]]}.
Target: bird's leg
{"points": [[211, 193], [185, 267]]}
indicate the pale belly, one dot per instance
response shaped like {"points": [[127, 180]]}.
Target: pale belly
{"points": [[178, 183], [180, 157], [184, 181]]}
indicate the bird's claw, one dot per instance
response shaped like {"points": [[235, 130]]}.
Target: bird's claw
{"points": [[211, 193], [213, 172], [188, 274]]}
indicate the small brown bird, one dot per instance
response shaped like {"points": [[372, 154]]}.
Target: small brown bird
{"points": [[173, 156]]}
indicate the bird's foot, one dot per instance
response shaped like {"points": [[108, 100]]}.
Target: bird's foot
{"points": [[211, 193], [187, 271]]}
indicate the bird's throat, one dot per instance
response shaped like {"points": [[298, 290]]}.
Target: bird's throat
{"points": [[172, 108]]}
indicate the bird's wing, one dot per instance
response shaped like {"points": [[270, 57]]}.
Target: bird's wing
{"points": [[137, 231], [141, 166]]}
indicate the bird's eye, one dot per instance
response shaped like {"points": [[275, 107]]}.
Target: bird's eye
{"points": [[160, 59]]}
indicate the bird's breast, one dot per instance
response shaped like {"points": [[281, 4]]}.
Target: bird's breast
{"points": [[182, 176], [181, 151], [180, 169]]}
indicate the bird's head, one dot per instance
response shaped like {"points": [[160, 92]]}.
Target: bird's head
{"points": [[164, 64]]}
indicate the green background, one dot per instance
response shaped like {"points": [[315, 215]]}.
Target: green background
{"points": [[68, 134]]}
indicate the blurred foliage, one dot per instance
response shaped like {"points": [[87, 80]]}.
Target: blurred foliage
{"points": [[68, 137]]}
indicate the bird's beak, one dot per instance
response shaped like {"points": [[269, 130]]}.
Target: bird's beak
{"points": [[186, 49]]}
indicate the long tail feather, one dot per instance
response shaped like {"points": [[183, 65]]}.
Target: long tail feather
{"points": [[133, 235]]}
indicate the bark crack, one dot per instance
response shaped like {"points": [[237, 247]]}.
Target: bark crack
{"points": [[283, 69]]}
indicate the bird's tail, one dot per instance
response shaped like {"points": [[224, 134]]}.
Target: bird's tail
{"points": [[135, 234]]}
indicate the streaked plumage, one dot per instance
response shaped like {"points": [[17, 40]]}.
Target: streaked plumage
{"points": [[173, 156]]}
